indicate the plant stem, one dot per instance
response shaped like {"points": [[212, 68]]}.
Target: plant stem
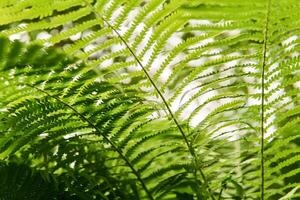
{"points": [[114, 146], [190, 148], [264, 62]]}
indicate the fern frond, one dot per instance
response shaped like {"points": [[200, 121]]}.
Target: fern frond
{"points": [[168, 96]]}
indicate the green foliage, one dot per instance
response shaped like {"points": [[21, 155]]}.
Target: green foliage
{"points": [[150, 99], [18, 181]]}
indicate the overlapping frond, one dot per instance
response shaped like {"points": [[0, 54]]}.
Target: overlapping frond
{"points": [[175, 99], [61, 116]]}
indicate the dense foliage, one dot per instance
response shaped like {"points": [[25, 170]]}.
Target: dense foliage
{"points": [[149, 99]]}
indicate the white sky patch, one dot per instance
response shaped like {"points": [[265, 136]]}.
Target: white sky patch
{"points": [[156, 64], [76, 78], [74, 134], [89, 47], [22, 37], [116, 14], [297, 84], [165, 75], [173, 41], [227, 82], [133, 68], [196, 63], [270, 131], [43, 35], [214, 51], [3, 109], [139, 28], [251, 66], [200, 22], [106, 63], [231, 63], [177, 59], [126, 81], [72, 165], [274, 85], [76, 36], [123, 29], [253, 101], [131, 15], [87, 33], [274, 67], [43, 135], [99, 101], [200, 116], [270, 119], [205, 109], [290, 40], [290, 47], [146, 56], [117, 47], [186, 94], [202, 43], [233, 32], [142, 45], [186, 113]]}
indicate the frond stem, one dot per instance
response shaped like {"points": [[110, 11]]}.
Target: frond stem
{"points": [[264, 62], [114, 146], [190, 148]]}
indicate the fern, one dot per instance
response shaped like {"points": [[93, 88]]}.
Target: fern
{"points": [[153, 99]]}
